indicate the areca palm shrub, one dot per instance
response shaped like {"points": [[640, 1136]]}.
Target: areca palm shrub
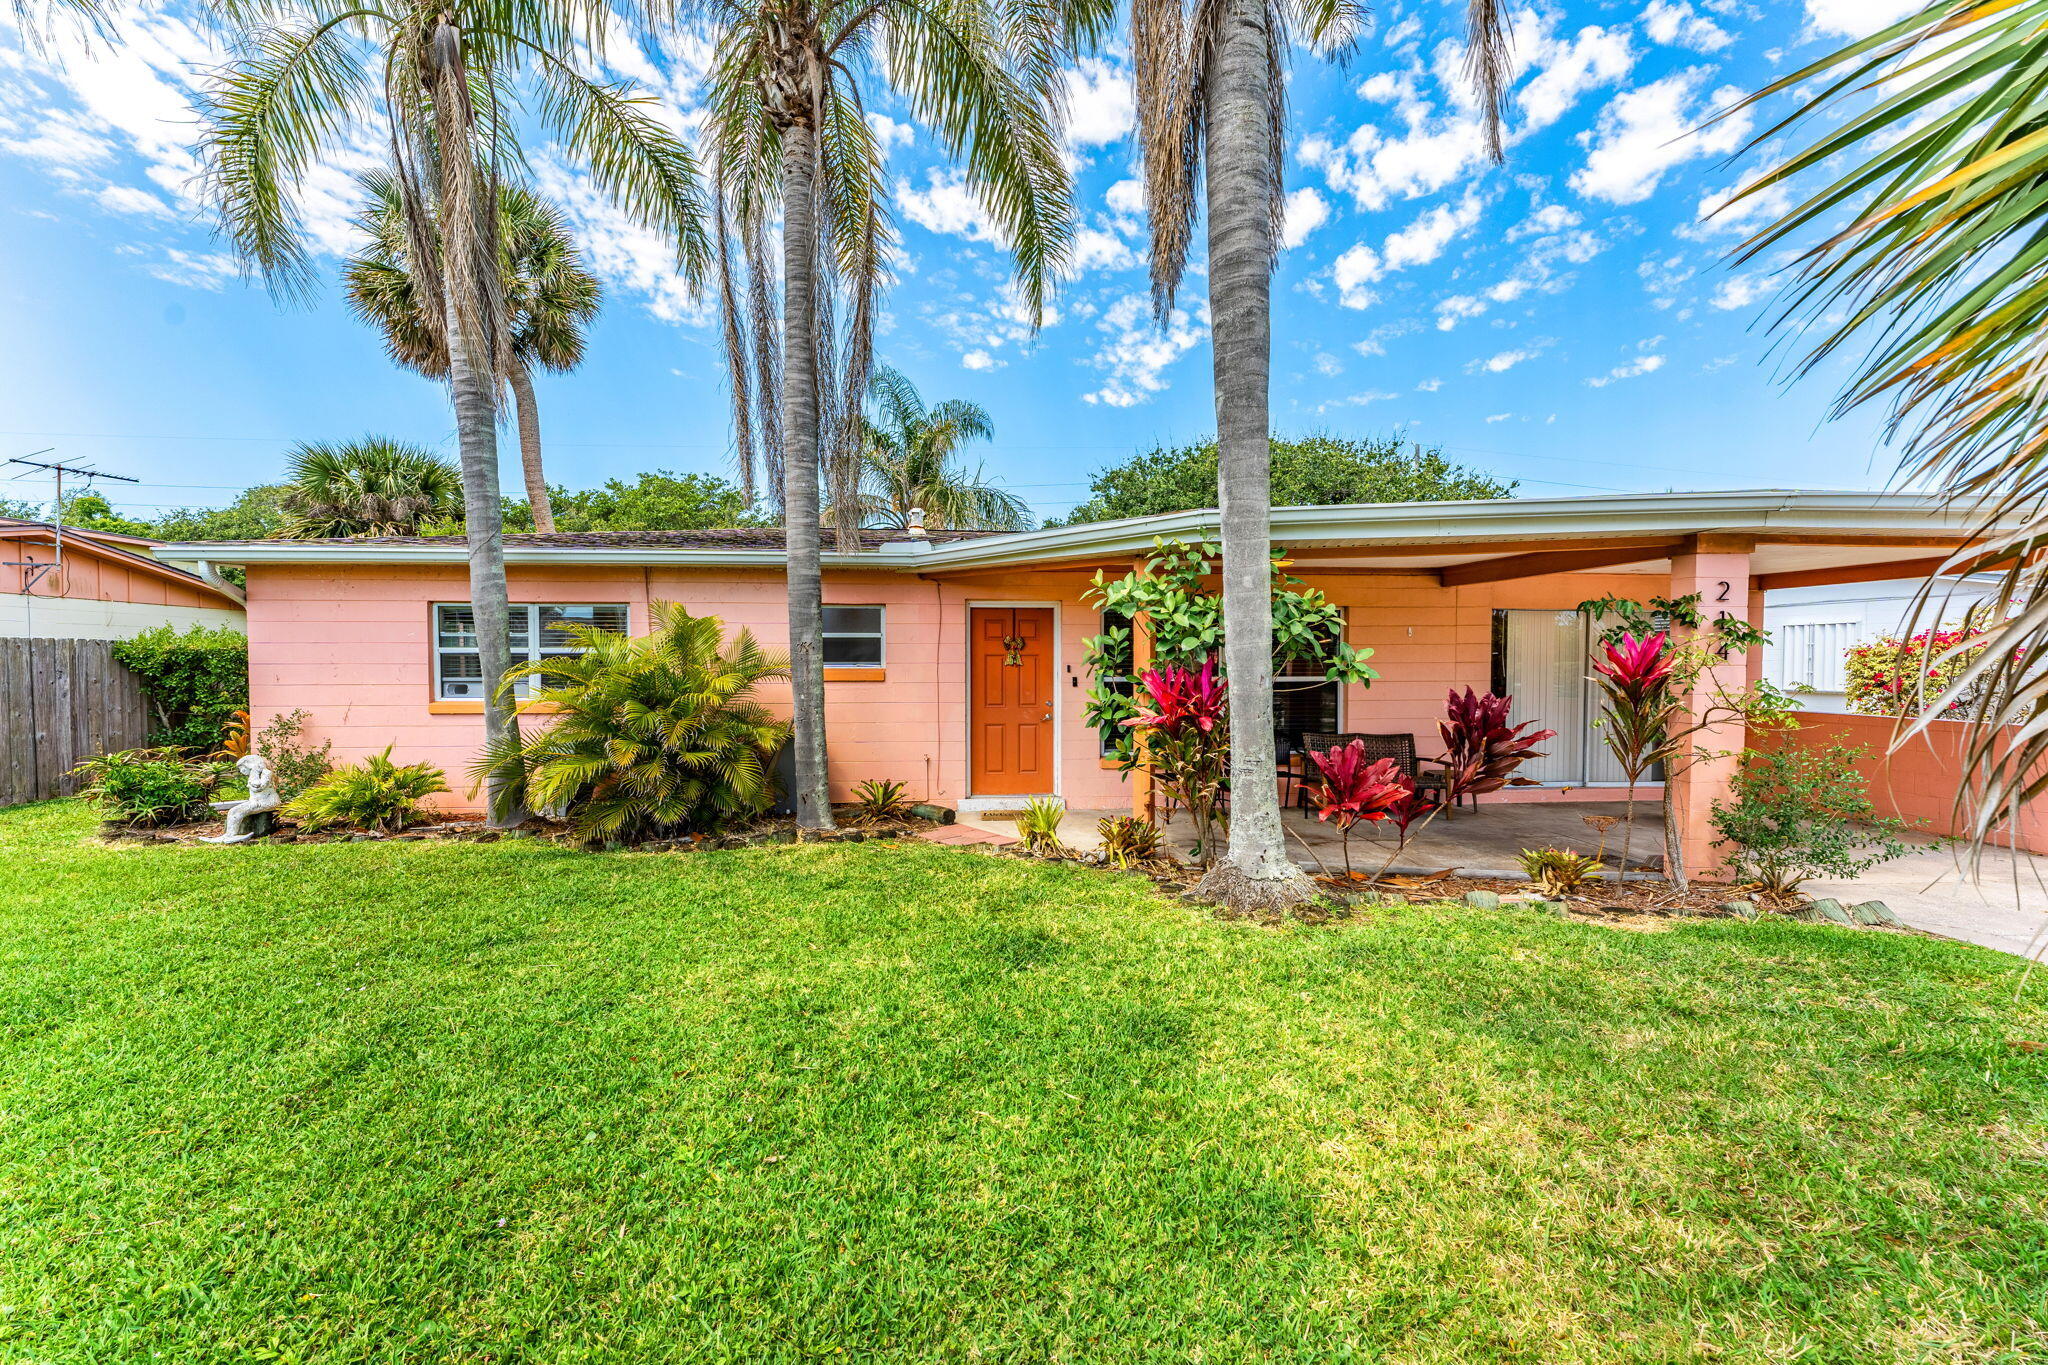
{"points": [[1212, 117], [1920, 164], [651, 735], [447, 82], [789, 138], [372, 487], [909, 459], [549, 293]]}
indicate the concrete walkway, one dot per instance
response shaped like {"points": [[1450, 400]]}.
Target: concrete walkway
{"points": [[2005, 907]]}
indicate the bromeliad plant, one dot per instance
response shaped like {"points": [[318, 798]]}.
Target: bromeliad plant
{"points": [[653, 735], [1128, 840], [1183, 723]]}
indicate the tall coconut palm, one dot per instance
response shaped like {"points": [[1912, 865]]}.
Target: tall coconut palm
{"points": [[550, 297], [1922, 235], [371, 487], [909, 461], [446, 77], [787, 130], [1212, 102]]}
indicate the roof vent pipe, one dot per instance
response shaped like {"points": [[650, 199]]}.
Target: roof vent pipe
{"points": [[916, 527]]}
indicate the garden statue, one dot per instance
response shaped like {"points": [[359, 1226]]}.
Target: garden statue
{"points": [[250, 816]]}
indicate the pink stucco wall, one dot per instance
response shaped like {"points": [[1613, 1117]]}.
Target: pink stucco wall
{"points": [[353, 647], [1919, 782]]}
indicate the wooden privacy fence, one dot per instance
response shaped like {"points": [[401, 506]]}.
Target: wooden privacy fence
{"points": [[61, 702]]}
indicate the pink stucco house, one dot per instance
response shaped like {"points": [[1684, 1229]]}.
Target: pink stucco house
{"points": [[369, 635]]}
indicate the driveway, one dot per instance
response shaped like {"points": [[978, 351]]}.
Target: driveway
{"points": [[2004, 906]]}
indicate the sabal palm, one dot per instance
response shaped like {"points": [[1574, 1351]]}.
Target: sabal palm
{"points": [[1925, 241], [652, 734], [909, 461], [446, 77], [787, 130], [372, 487], [1212, 105], [550, 297]]}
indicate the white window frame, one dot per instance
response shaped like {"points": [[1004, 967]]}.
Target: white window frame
{"points": [[880, 634], [531, 654]]}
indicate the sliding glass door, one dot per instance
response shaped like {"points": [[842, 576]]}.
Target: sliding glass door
{"points": [[1544, 660]]}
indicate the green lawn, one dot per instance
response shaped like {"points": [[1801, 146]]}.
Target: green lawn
{"points": [[417, 1102]]}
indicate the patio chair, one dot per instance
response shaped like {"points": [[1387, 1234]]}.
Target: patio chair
{"points": [[1400, 748]]}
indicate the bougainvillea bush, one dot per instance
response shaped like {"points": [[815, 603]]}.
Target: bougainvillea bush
{"points": [[1890, 676]]}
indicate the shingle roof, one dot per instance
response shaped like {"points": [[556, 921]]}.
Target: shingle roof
{"points": [[725, 538]]}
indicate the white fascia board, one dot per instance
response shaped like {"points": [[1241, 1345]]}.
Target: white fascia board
{"points": [[1745, 512], [290, 552]]}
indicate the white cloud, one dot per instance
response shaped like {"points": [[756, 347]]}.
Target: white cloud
{"points": [[889, 132], [1548, 219], [1095, 249], [1425, 239], [981, 360], [1352, 272], [1100, 104], [1673, 23], [1327, 364], [1126, 196], [1498, 417], [946, 205], [196, 270], [1429, 386], [626, 255], [1740, 291], [1566, 70], [129, 199], [1305, 211], [1721, 211], [1138, 352], [1644, 132], [1857, 18], [987, 324], [1357, 400], [1641, 365], [1400, 33], [1504, 361], [1375, 342]]}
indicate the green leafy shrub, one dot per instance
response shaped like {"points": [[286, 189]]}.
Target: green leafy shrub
{"points": [[196, 680], [879, 799], [1040, 824], [653, 735], [294, 762], [148, 787], [375, 794], [1129, 840], [1558, 871], [1801, 813]]}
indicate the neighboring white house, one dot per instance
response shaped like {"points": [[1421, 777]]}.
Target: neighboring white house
{"points": [[1813, 629], [96, 586]]}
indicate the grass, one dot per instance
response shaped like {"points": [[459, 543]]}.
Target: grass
{"points": [[469, 1103]]}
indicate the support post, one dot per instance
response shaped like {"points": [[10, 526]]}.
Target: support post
{"points": [[1717, 568], [1144, 801]]}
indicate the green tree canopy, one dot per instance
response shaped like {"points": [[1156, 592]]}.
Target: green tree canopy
{"points": [[1314, 470], [255, 514], [658, 501]]}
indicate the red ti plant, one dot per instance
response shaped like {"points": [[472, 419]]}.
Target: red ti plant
{"points": [[1183, 715], [1636, 712], [1481, 750], [1352, 789]]}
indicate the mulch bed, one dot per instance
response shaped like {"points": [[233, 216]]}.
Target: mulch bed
{"points": [[853, 827]]}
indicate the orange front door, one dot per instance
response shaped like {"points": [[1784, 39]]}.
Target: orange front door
{"points": [[1011, 714]]}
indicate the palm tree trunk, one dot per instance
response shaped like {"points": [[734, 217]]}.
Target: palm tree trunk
{"points": [[1255, 872], [521, 380], [800, 526], [476, 430]]}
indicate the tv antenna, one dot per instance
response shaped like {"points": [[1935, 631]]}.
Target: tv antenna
{"points": [[32, 572]]}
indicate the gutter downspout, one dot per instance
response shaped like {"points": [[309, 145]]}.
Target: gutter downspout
{"points": [[210, 576]]}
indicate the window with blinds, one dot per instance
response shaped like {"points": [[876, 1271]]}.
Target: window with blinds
{"points": [[538, 631], [1812, 654]]}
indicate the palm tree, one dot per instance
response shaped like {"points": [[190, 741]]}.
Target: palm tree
{"points": [[372, 487], [550, 296], [446, 77], [1211, 102], [1923, 240], [788, 132], [907, 461]]}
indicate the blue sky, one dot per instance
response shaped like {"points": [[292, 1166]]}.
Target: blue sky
{"points": [[1567, 319]]}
